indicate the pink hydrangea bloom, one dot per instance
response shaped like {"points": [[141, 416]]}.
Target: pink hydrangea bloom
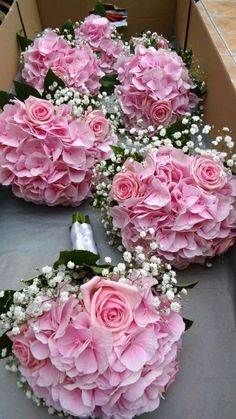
{"points": [[78, 66], [97, 32], [155, 87], [47, 155], [103, 356], [189, 201]]}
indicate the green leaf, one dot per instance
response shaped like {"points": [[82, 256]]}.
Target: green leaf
{"points": [[68, 29], [100, 9], [187, 57], [23, 91], [187, 285], [117, 150], [79, 257], [188, 323], [23, 42], [5, 98], [108, 83], [6, 301], [99, 268], [81, 218], [5, 343], [49, 80]]}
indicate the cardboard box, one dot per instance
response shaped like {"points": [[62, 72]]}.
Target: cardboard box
{"points": [[220, 101], [30, 16], [156, 15], [180, 18], [9, 50]]}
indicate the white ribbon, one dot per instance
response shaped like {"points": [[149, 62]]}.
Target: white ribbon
{"points": [[82, 237]]}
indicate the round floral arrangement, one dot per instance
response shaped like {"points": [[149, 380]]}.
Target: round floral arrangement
{"points": [[176, 203], [89, 340], [49, 147], [103, 38], [155, 88], [76, 65]]}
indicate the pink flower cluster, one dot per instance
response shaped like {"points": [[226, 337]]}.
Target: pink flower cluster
{"points": [[111, 354], [189, 201], [78, 66], [155, 87], [47, 155], [97, 32]]}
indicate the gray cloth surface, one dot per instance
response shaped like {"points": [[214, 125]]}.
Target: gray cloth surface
{"points": [[32, 236]]}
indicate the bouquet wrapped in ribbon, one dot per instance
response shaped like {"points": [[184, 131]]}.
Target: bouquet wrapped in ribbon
{"points": [[93, 340]]}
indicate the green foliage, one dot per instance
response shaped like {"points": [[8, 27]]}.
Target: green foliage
{"points": [[108, 83], [100, 9], [178, 127], [188, 323], [5, 343], [5, 98], [187, 285], [68, 29], [51, 78], [81, 218], [6, 301], [187, 57], [23, 42], [23, 91], [79, 257]]}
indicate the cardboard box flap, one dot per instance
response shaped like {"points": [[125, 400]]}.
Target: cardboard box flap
{"points": [[9, 50]]}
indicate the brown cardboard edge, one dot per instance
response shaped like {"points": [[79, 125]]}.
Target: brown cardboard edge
{"points": [[9, 50], [182, 20], [29, 14], [220, 102]]}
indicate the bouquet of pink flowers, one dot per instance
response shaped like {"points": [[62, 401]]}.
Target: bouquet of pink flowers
{"points": [[49, 147], [103, 38], [176, 203], [155, 88], [90, 340], [78, 67]]}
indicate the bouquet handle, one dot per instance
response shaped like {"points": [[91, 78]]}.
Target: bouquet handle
{"points": [[82, 234]]}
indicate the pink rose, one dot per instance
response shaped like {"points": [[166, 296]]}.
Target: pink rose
{"points": [[22, 348], [110, 304], [39, 111], [125, 186], [98, 124], [160, 112], [208, 173]]}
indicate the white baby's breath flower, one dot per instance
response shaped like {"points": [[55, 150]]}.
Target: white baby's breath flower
{"points": [[175, 307], [15, 330], [153, 245], [70, 265], [156, 302], [170, 295], [46, 270], [127, 256], [121, 267]]}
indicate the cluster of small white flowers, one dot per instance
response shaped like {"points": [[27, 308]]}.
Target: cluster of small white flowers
{"points": [[84, 103], [190, 134], [147, 39], [37, 295], [67, 35], [137, 268]]}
